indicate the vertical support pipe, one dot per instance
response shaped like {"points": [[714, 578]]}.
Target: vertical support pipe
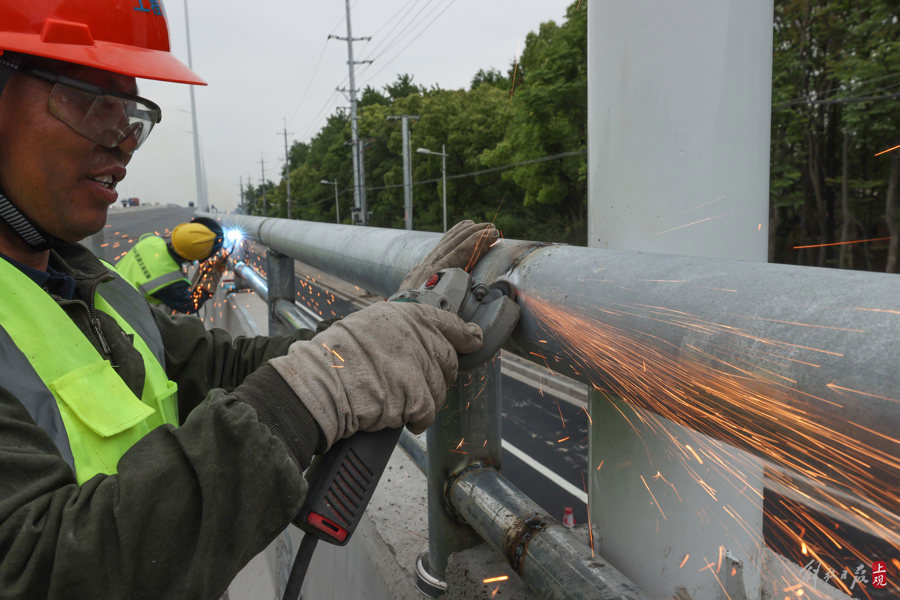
{"points": [[280, 279], [287, 170], [466, 431], [202, 200], [407, 175], [444, 182], [337, 205]]}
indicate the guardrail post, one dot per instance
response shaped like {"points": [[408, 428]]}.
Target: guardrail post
{"points": [[280, 278], [466, 432]]}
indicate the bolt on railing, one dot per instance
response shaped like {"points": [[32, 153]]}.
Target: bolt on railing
{"points": [[678, 336]]}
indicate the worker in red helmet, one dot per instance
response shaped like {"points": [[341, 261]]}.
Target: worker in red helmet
{"points": [[142, 456], [156, 267]]}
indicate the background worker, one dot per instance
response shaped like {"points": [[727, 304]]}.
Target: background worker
{"points": [[143, 456], [156, 267]]}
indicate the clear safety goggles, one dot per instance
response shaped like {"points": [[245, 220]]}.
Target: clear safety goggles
{"points": [[106, 117]]}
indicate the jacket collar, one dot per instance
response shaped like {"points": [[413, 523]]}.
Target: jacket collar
{"points": [[81, 264]]}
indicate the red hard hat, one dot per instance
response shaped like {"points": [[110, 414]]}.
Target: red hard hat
{"points": [[123, 36]]}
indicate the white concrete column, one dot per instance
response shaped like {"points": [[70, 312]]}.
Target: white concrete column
{"points": [[679, 97]]}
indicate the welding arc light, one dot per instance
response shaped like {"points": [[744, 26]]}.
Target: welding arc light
{"points": [[233, 236]]}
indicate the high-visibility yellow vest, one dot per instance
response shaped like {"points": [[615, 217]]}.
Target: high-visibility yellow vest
{"points": [[149, 267], [67, 387]]}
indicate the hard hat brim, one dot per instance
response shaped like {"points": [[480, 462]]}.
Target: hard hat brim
{"points": [[128, 60]]}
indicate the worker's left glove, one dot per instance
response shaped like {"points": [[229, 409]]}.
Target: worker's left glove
{"points": [[386, 365], [459, 248]]}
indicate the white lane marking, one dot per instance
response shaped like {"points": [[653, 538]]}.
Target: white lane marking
{"points": [[534, 464], [535, 383]]}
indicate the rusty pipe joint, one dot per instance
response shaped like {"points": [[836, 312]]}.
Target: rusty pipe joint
{"points": [[447, 500], [553, 561]]}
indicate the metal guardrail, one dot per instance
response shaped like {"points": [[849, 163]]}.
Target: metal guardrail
{"points": [[288, 312], [794, 364]]}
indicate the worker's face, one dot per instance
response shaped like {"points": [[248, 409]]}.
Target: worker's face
{"points": [[60, 179]]}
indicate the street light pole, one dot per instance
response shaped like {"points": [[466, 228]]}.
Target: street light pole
{"points": [[443, 155], [444, 177], [337, 208]]}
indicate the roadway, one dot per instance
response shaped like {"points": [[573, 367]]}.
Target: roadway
{"points": [[545, 427]]}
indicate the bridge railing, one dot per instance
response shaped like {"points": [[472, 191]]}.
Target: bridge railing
{"points": [[772, 359]]}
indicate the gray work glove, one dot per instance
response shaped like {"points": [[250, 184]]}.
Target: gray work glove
{"points": [[460, 248], [385, 366]]}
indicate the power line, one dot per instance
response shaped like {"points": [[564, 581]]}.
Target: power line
{"points": [[315, 120], [464, 175], [385, 64], [311, 79], [836, 101], [396, 20], [405, 23], [486, 171]]}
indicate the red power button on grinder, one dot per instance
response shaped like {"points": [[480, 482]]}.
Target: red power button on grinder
{"points": [[342, 481]]}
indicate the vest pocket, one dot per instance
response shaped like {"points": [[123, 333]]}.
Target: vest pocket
{"points": [[97, 396], [167, 403]]}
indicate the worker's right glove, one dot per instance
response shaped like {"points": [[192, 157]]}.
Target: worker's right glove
{"points": [[459, 248], [385, 366]]}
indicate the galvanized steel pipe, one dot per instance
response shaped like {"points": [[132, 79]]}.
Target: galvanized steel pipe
{"points": [[373, 258], [550, 559], [287, 312], [256, 282], [795, 364]]}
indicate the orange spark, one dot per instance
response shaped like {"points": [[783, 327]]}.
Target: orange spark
{"points": [[684, 560], [496, 579], [560, 414], [884, 310], [512, 89], [697, 456], [835, 386], [654, 498], [881, 239], [888, 150], [564, 439], [333, 352]]}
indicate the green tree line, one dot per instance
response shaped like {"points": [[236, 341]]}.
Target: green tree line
{"points": [[835, 106], [517, 141]]}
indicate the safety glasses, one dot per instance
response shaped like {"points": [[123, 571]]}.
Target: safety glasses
{"points": [[106, 117]]}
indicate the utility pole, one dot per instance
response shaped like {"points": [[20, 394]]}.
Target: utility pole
{"points": [[262, 162], [407, 168], [287, 169], [359, 192], [249, 188], [241, 186], [202, 200]]}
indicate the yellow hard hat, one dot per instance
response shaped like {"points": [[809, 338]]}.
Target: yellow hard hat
{"points": [[195, 241]]}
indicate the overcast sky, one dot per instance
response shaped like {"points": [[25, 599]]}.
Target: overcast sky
{"points": [[271, 61]]}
